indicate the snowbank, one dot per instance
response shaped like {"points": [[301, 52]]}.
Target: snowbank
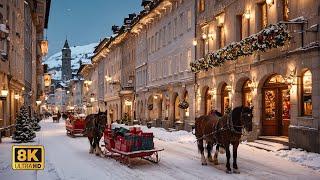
{"points": [[304, 158], [164, 135]]}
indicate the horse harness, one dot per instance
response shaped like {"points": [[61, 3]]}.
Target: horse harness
{"points": [[229, 126]]}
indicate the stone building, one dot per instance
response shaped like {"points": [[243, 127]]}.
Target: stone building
{"points": [[21, 29], [66, 62], [169, 30], [281, 84]]}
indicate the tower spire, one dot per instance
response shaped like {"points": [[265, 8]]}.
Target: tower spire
{"points": [[66, 45]]}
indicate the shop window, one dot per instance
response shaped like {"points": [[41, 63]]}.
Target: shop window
{"points": [[307, 93], [247, 94]]}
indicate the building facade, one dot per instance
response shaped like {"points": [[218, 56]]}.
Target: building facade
{"points": [[281, 83], [21, 27], [165, 35]]}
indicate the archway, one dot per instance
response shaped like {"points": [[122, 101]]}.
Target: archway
{"points": [[207, 100], [276, 106], [225, 98]]}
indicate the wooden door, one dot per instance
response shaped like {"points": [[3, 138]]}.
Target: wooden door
{"points": [[270, 112], [276, 111]]}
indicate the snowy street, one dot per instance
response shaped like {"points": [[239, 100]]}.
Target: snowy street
{"points": [[68, 158]]}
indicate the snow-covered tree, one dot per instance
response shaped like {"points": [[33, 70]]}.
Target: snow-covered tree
{"points": [[24, 130]]}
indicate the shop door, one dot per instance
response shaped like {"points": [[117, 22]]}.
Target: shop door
{"points": [[276, 111]]}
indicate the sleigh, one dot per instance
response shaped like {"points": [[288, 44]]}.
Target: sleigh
{"points": [[132, 147], [55, 118], [75, 125]]}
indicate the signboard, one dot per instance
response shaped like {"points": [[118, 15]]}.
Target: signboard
{"points": [[28, 157]]}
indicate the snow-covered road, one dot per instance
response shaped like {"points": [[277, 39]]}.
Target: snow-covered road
{"points": [[68, 158]]}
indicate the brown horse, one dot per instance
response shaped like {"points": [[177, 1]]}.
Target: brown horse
{"points": [[95, 125], [204, 126], [229, 131]]}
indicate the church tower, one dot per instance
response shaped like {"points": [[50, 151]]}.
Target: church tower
{"points": [[66, 62]]}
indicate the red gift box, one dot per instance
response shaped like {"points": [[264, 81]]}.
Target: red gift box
{"points": [[126, 146], [118, 145]]}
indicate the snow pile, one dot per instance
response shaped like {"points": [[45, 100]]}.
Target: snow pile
{"points": [[308, 159], [174, 136], [83, 53], [181, 136]]}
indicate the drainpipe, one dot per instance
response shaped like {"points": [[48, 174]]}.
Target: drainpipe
{"points": [[195, 55]]}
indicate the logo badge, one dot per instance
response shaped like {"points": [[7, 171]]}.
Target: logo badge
{"points": [[28, 157]]}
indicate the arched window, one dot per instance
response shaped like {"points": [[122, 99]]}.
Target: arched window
{"points": [[307, 93]]}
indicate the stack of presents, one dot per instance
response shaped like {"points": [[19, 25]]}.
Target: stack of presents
{"points": [[127, 139]]}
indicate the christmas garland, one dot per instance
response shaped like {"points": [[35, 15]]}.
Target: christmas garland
{"points": [[183, 104], [274, 36]]}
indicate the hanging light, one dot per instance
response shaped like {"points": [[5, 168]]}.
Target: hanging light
{"points": [[16, 96], [44, 47], [194, 42], [4, 93], [269, 2], [47, 80], [247, 14], [204, 36], [38, 102]]}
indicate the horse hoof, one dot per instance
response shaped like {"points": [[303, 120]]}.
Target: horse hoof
{"points": [[236, 171], [228, 172], [204, 164]]}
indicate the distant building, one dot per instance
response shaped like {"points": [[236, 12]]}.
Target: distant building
{"points": [[66, 62]]}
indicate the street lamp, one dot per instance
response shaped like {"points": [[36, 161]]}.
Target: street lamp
{"points": [[194, 42], [16, 96], [38, 102]]}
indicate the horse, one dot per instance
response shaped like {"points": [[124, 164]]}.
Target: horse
{"points": [[229, 131], [204, 126], [95, 125]]}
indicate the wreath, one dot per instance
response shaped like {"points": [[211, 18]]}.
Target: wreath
{"points": [[183, 104], [150, 107]]}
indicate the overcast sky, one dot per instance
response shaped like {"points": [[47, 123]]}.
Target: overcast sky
{"points": [[85, 21]]}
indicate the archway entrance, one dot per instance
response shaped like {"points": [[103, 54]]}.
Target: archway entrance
{"points": [[276, 107]]}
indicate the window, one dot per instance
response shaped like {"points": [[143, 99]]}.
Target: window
{"points": [[307, 93], [169, 33], [263, 8], [201, 5], [175, 28], [239, 28], [220, 37], [164, 36], [189, 19], [285, 5], [188, 59], [181, 24]]}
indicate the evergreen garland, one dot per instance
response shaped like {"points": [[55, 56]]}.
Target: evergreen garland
{"points": [[24, 130], [275, 35]]}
